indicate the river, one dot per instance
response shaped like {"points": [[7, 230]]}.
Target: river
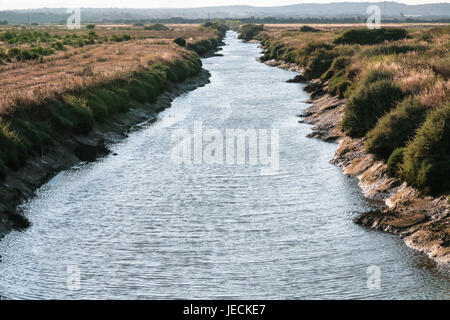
{"points": [[138, 224]]}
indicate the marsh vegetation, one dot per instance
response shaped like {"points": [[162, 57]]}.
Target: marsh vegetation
{"points": [[396, 85]]}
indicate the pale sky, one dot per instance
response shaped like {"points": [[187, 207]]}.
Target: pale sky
{"points": [[25, 4]]}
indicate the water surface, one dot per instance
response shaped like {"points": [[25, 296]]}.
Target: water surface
{"points": [[139, 225]]}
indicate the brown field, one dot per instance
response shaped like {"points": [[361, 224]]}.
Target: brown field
{"points": [[32, 81]]}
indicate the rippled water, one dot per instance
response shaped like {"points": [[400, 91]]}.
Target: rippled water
{"points": [[138, 225]]}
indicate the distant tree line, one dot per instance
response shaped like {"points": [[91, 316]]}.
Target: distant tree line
{"points": [[20, 18], [275, 20]]}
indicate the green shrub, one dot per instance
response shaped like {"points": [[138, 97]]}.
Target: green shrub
{"points": [[375, 75], [426, 163], [308, 29], [58, 46], [250, 31], [141, 91], [34, 135], [367, 104], [395, 128], [97, 106], [117, 38], [72, 114], [13, 152], [203, 46], [338, 64], [156, 27], [319, 62], [180, 41], [123, 99], [338, 84], [160, 71], [218, 27], [371, 36], [90, 26], [394, 162], [392, 49], [181, 69]]}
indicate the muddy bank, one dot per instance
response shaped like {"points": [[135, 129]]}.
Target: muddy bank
{"points": [[423, 222], [71, 149]]}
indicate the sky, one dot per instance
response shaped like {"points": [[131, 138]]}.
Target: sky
{"points": [[25, 4]]}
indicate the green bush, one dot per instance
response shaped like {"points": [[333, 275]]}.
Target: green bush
{"points": [[180, 41], [371, 36], [218, 27], [338, 84], [156, 27], [141, 91], [13, 152], [203, 46], [392, 49], [394, 162], [367, 104], [319, 62], [34, 135], [97, 106], [338, 64], [117, 38], [160, 72], [72, 114], [90, 26], [426, 163], [308, 29], [58, 45], [395, 128], [250, 31], [123, 99], [375, 75]]}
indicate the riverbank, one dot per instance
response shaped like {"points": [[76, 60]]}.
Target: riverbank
{"points": [[66, 108], [69, 149], [383, 98], [423, 222]]}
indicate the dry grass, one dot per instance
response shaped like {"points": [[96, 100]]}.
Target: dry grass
{"points": [[425, 73], [30, 82]]}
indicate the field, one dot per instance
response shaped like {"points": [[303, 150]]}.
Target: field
{"points": [[395, 81], [55, 81], [85, 57]]}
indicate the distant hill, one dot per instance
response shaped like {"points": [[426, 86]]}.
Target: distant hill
{"points": [[389, 9]]}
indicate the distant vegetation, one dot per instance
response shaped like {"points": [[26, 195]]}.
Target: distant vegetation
{"points": [[308, 29], [156, 27], [206, 45], [397, 90], [249, 31], [371, 36], [30, 44]]}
